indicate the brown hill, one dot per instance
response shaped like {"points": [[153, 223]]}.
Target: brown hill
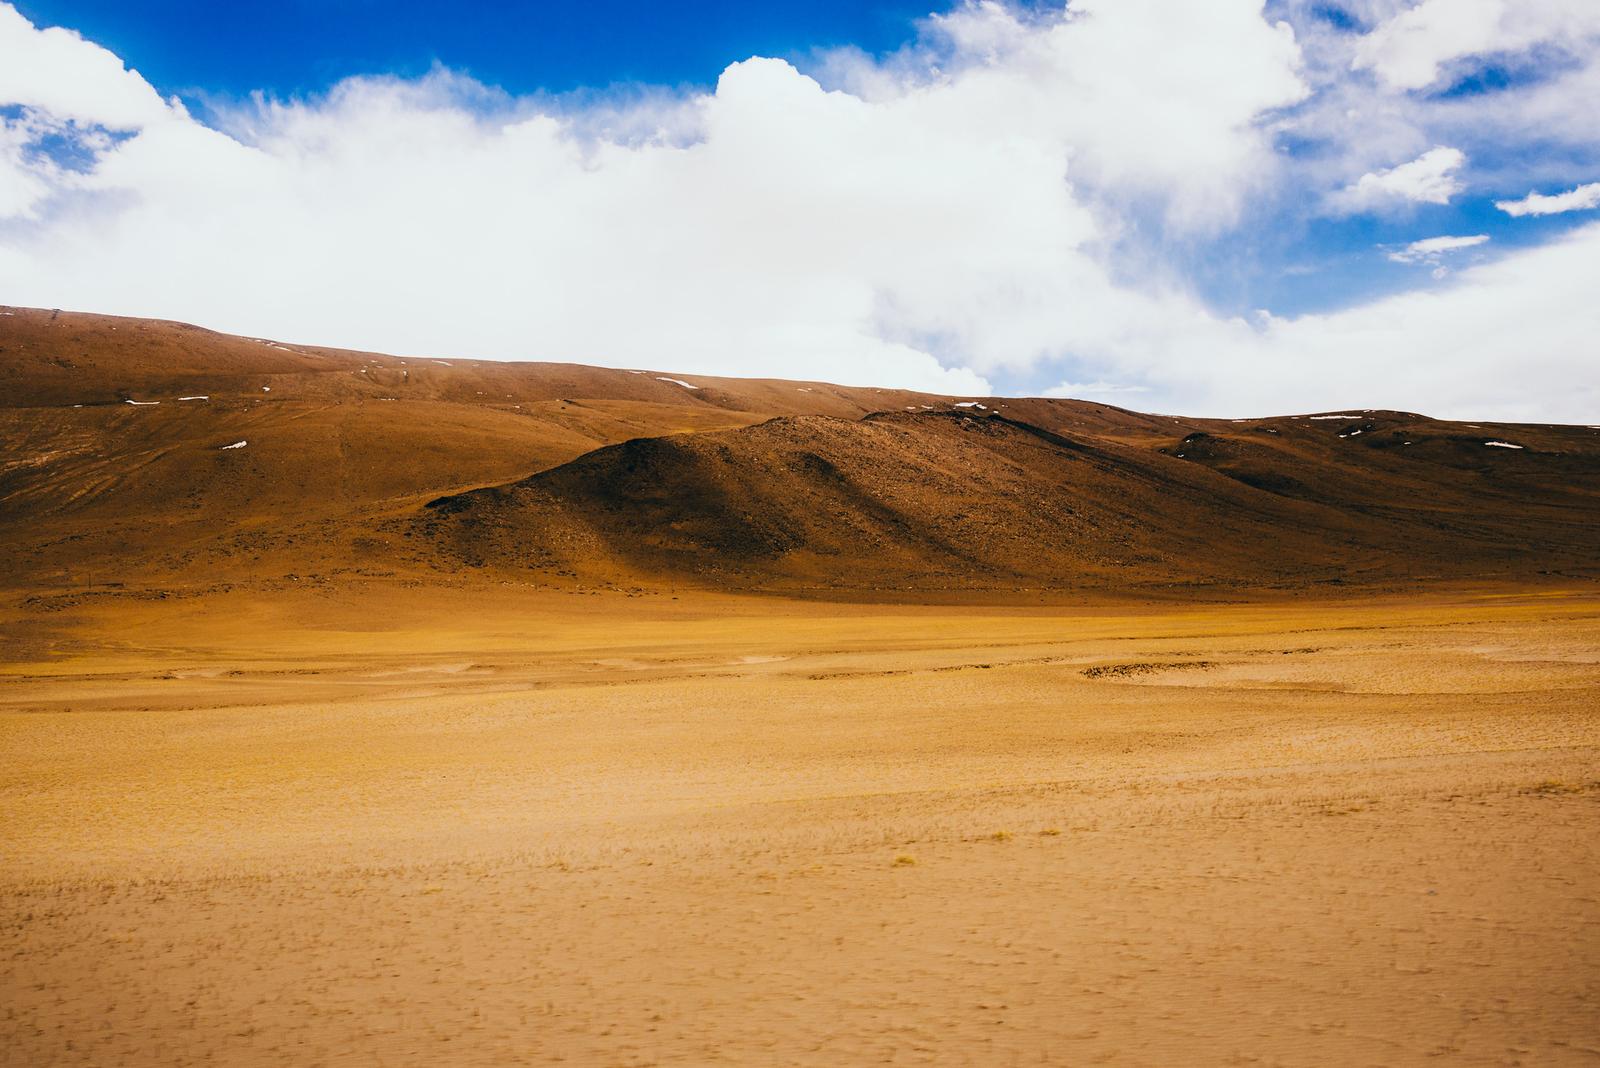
{"points": [[113, 434], [114, 466], [947, 500]]}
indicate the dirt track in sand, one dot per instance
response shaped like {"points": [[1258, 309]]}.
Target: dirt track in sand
{"points": [[488, 828]]}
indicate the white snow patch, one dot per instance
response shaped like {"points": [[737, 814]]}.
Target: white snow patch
{"points": [[266, 389], [970, 404], [1353, 415], [443, 363], [235, 445], [676, 382], [142, 404], [198, 396], [1350, 433], [1502, 445]]}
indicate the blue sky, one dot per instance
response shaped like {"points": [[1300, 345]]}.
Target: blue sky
{"points": [[305, 46], [1220, 208]]}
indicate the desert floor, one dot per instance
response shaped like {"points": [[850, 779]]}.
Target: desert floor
{"points": [[397, 827]]}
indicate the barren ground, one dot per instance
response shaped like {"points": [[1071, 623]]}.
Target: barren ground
{"points": [[493, 827]]}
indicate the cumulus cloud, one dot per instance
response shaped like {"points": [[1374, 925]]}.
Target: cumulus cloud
{"points": [[1012, 196], [1507, 339], [1510, 85], [22, 182], [1512, 338], [57, 71], [1428, 179], [1580, 199], [1186, 130], [1412, 49], [925, 234]]}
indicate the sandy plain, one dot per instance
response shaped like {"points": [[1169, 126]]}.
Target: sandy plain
{"points": [[500, 826]]}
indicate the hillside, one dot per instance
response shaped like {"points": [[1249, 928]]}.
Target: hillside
{"points": [[121, 462], [113, 435], [956, 500]]}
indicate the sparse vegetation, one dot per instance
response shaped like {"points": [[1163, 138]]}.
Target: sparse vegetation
{"points": [[1123, 671], [1550, 787], [774, 488]]}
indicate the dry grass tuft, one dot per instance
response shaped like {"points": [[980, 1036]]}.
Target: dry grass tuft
{"points": [[1554, 787]]}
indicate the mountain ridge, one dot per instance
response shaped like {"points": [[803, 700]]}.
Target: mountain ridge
{"points": [[166, 453]]}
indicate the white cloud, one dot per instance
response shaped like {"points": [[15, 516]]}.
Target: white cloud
{"points": [[1091, 389], [1412, 49], [1185, 128], [1580, 199], [1526, 112], [1407, 51], [57, 71], [1188, 132], [1430, 249], [956, 212], [1425, 180], [23, 183], [1509, 339], [775, 228], [1436, 245], [61, 85]]}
